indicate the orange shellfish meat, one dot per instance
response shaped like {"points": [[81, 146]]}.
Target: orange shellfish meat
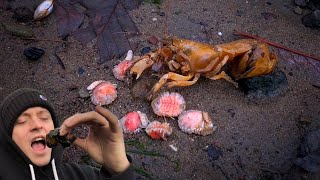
{"points": [[197, 122], [158, 130], [168, 104], [102, 92], [133, 122]]}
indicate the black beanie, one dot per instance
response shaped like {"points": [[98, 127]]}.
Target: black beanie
{"points": [[19, 101]]}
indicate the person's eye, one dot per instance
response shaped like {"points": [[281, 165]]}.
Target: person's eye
{"points": [[44, 118], [21, 121]]}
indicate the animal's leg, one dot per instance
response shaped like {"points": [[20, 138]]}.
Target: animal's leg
{"points": [[218, 67], [164, 79], [240, 65], [209, 67], [223, 75], [184, 83], [142, 64]]}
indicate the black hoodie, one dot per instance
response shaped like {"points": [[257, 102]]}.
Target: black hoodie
{"points": [[15, 165]]}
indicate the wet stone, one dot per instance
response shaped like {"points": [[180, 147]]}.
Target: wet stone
{"points": [[162, 14], [267, 86], [153, 40], [214, 152], [145, 50], [33, 53], [81, 71]]}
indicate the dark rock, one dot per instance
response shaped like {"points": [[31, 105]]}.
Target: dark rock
{"points": [[140, 89], [145, 50], [214, 152], [162, 13], [312, 19], [23, 14], [33, 53], [270, 85], [81, 71]]}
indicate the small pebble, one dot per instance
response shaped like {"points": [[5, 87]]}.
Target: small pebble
{"points": [[153, 40], [145, 50], [154, 19], [33, 53], [220, 33], [162, 14], [81, 71]]}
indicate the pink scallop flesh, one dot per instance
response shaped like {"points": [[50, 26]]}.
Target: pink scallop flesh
{"points": [[168, 104], [197, 122], [102, 92], [158, 130], [133, 122]]}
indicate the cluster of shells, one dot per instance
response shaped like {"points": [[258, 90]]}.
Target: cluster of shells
{"points": [[166, 104]]}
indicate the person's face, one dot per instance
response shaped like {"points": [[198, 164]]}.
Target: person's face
{"points": [[29, 133]]}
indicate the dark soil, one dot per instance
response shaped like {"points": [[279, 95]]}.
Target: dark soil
{"points": [[254, 140]]}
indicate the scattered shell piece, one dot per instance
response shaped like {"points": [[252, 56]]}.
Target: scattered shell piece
{"points": [[197, 122], [173, 147], [168, 104], [43, 10], [102, 92], [158, 130], [220, 33], [119, 71], [133, 122]]}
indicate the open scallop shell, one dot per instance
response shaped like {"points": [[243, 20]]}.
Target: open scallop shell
{"points": [[133, 122], [158, 130], [168, 104], [102, 92], [197, 122], [119, 71]]}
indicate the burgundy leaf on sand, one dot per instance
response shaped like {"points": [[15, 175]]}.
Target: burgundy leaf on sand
{"points": [[68, 18], [111, 24]]}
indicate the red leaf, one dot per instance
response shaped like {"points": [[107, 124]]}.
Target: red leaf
{"points": [[111, 24], [68, 18]]}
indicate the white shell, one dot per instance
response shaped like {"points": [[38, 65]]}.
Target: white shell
{"points": [[129, 55], [94, 84], [43, 10]]}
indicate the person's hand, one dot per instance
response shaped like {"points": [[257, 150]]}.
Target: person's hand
{"points": [[105, 143]]}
